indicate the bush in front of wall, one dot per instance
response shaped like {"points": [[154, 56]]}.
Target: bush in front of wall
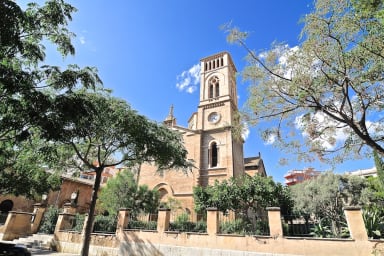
{"points": [[49, 220]]}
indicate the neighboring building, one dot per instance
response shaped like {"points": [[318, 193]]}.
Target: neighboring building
{"points": [[79, 189], [364, 173], [297, 176], [107, 173], [217, 154]]}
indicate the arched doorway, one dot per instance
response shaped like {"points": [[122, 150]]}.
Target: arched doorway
{"points": [[6, 206]]}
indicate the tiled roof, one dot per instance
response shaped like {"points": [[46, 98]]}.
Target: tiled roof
{"points": [[252, 161]]}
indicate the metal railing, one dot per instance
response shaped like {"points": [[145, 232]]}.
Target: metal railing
{"points": [[184, 222], [105, 224], [143, 221], [257, 225]]}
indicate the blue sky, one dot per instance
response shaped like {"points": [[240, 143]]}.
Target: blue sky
{"points": [[142, 49]]}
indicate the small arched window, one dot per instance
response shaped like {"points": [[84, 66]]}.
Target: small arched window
{"points": [[213, 155]]}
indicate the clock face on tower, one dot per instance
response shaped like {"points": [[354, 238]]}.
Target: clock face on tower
{"points": [[214, 117]]}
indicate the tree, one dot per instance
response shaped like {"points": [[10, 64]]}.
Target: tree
{"points": [[254, 193], [375, 188], [242, 194], [370, 8], [379, 163], [30, 89], [325, 196], [114, 134], [24, 170], [122, 191], [329, 88]]}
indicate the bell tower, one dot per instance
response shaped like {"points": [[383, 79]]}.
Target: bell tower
{"points": [[221, 153], [218, 94]]}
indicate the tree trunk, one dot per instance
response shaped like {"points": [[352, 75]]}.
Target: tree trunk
{"points": [[91, 213]]}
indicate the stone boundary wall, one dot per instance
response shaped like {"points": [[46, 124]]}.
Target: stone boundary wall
{"points": [[162, 242], [153, 243]]}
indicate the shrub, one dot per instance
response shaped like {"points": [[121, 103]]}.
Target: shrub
{"points": [[105, 223], [200, 226], [146, 225], [182, 223], [238, 226], [322, 230], [261, 228], [373, 223], [78, 222], [49, 220]]}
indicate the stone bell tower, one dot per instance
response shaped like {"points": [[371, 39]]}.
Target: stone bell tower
{"points": [[222, 154]]}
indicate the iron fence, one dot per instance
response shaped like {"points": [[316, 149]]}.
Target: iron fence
{"points": [[298, 226], [184, 222], [105, 224], [244, 225], [143, 221], [74, 223]]}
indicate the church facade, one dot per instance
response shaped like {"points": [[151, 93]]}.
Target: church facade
{"points": [[215, 151]]}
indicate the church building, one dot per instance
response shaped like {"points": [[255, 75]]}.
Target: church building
{"points": [[216, 152]]}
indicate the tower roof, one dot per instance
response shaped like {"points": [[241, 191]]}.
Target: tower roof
{"points": [[170, 120], [218, 55]]}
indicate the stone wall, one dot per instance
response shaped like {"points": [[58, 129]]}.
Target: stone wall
{"points": [[162, 242]]}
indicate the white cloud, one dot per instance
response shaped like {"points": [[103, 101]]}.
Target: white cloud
{"points": [[271, 139], [82, 39], [245, 131], [189, 79], [191, 89]]}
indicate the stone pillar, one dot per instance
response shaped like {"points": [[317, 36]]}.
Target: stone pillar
{"points": [[274, 220], [38, 213], [213, 225], [69, 208], [123, 219], [17, 224], [64, 221], [163, 219], [85, 224], [355, 223]]}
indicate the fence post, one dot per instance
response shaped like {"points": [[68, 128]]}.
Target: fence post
{"points": [[63, 222], [274, 220], [123, 219], [163, 219], [355, 223], [86, 216], [17, 224], [213, 225], [69, 208], [38, 212]]}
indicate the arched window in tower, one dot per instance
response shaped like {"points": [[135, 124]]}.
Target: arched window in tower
{"points": [[213, 155], [217, 90], [214, 87], [210, 91]]}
